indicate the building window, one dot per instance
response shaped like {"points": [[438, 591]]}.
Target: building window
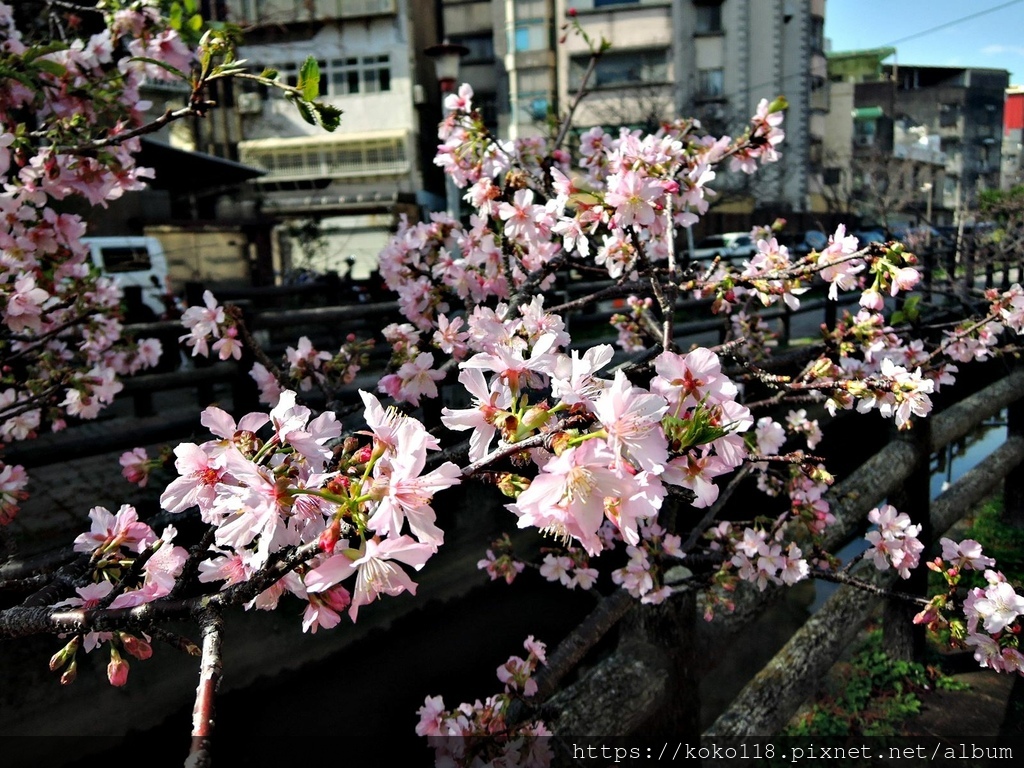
{"points": [[709, 19], [710, 83], [481, 48], [832, 177], [376, 73], [487, 105], [864, 132], [622, 68], [534, 89], [342, 77], [948, 115], [531, 35]]}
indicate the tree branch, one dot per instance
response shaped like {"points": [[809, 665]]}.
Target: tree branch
{"points": [[210, 671]]}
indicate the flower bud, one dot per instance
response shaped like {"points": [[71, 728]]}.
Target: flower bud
{"points": [[70, 673], [136, 646], [560, 442], [117, 669], [535, 416], [339, 485], [61, 657], [329, 538], [363, 455], [821, 475], [512, 485]]}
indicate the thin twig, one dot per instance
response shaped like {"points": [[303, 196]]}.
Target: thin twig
{"points": [[716, 508], [841, 577]]}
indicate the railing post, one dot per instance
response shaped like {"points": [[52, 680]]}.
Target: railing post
{"points": [[245, 396], [787, 326], [831, 314], [1013, 484], [928, 265], [902, 639], [142, 404], [968, 257]]}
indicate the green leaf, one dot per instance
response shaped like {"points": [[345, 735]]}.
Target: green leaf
{"points": [[306, 111], [35, 51], [162, 65], [329, 117], [174, 17], [228, 70], [51, 67], [911, 307], [269, 74], [191, 6], [195, 23], [309, 79]]}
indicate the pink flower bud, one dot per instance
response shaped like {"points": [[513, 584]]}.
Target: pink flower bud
{"points": [[136, 646], [329, 538], [117, 669]]}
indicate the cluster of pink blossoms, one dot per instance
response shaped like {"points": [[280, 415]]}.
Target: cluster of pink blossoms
{"points": [[683, 430], [635, 191], [479, 734], [895, 541], [992, 613], [114, 542], [62, 342], [262, 495]]}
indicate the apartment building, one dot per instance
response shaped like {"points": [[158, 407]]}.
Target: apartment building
{"points": [[713, 59], [1011, 171], [336, 195], [955, 114]]}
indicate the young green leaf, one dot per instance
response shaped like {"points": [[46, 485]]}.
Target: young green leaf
{"points": [[309, 79], [174, 17], [306, 111], [162, 65], [329, 117]]}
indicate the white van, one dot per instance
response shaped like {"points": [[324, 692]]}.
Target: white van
{"points": [[133, 261]]}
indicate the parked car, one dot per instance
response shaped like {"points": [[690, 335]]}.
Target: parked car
{"points": [[917, 237], [867, 236], [139, 266], [730, 246], [811, 240], [135, 264]]}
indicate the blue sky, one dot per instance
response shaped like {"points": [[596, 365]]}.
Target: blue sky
{"points": [[977, 39]]}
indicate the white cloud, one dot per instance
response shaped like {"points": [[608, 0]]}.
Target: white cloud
{"points": [[996, 49]]}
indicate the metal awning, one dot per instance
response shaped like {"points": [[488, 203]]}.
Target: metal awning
{"points": [[179, 170], [325, 140], [868, 113]]}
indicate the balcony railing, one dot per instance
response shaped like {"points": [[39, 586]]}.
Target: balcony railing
{"points": [[285, 11], [357, 156]]}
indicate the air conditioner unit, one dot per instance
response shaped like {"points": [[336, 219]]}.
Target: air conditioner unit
{"points": [[249, 104]]}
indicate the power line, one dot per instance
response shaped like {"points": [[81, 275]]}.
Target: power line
{"points": [[953, 22], [752, 88]]}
